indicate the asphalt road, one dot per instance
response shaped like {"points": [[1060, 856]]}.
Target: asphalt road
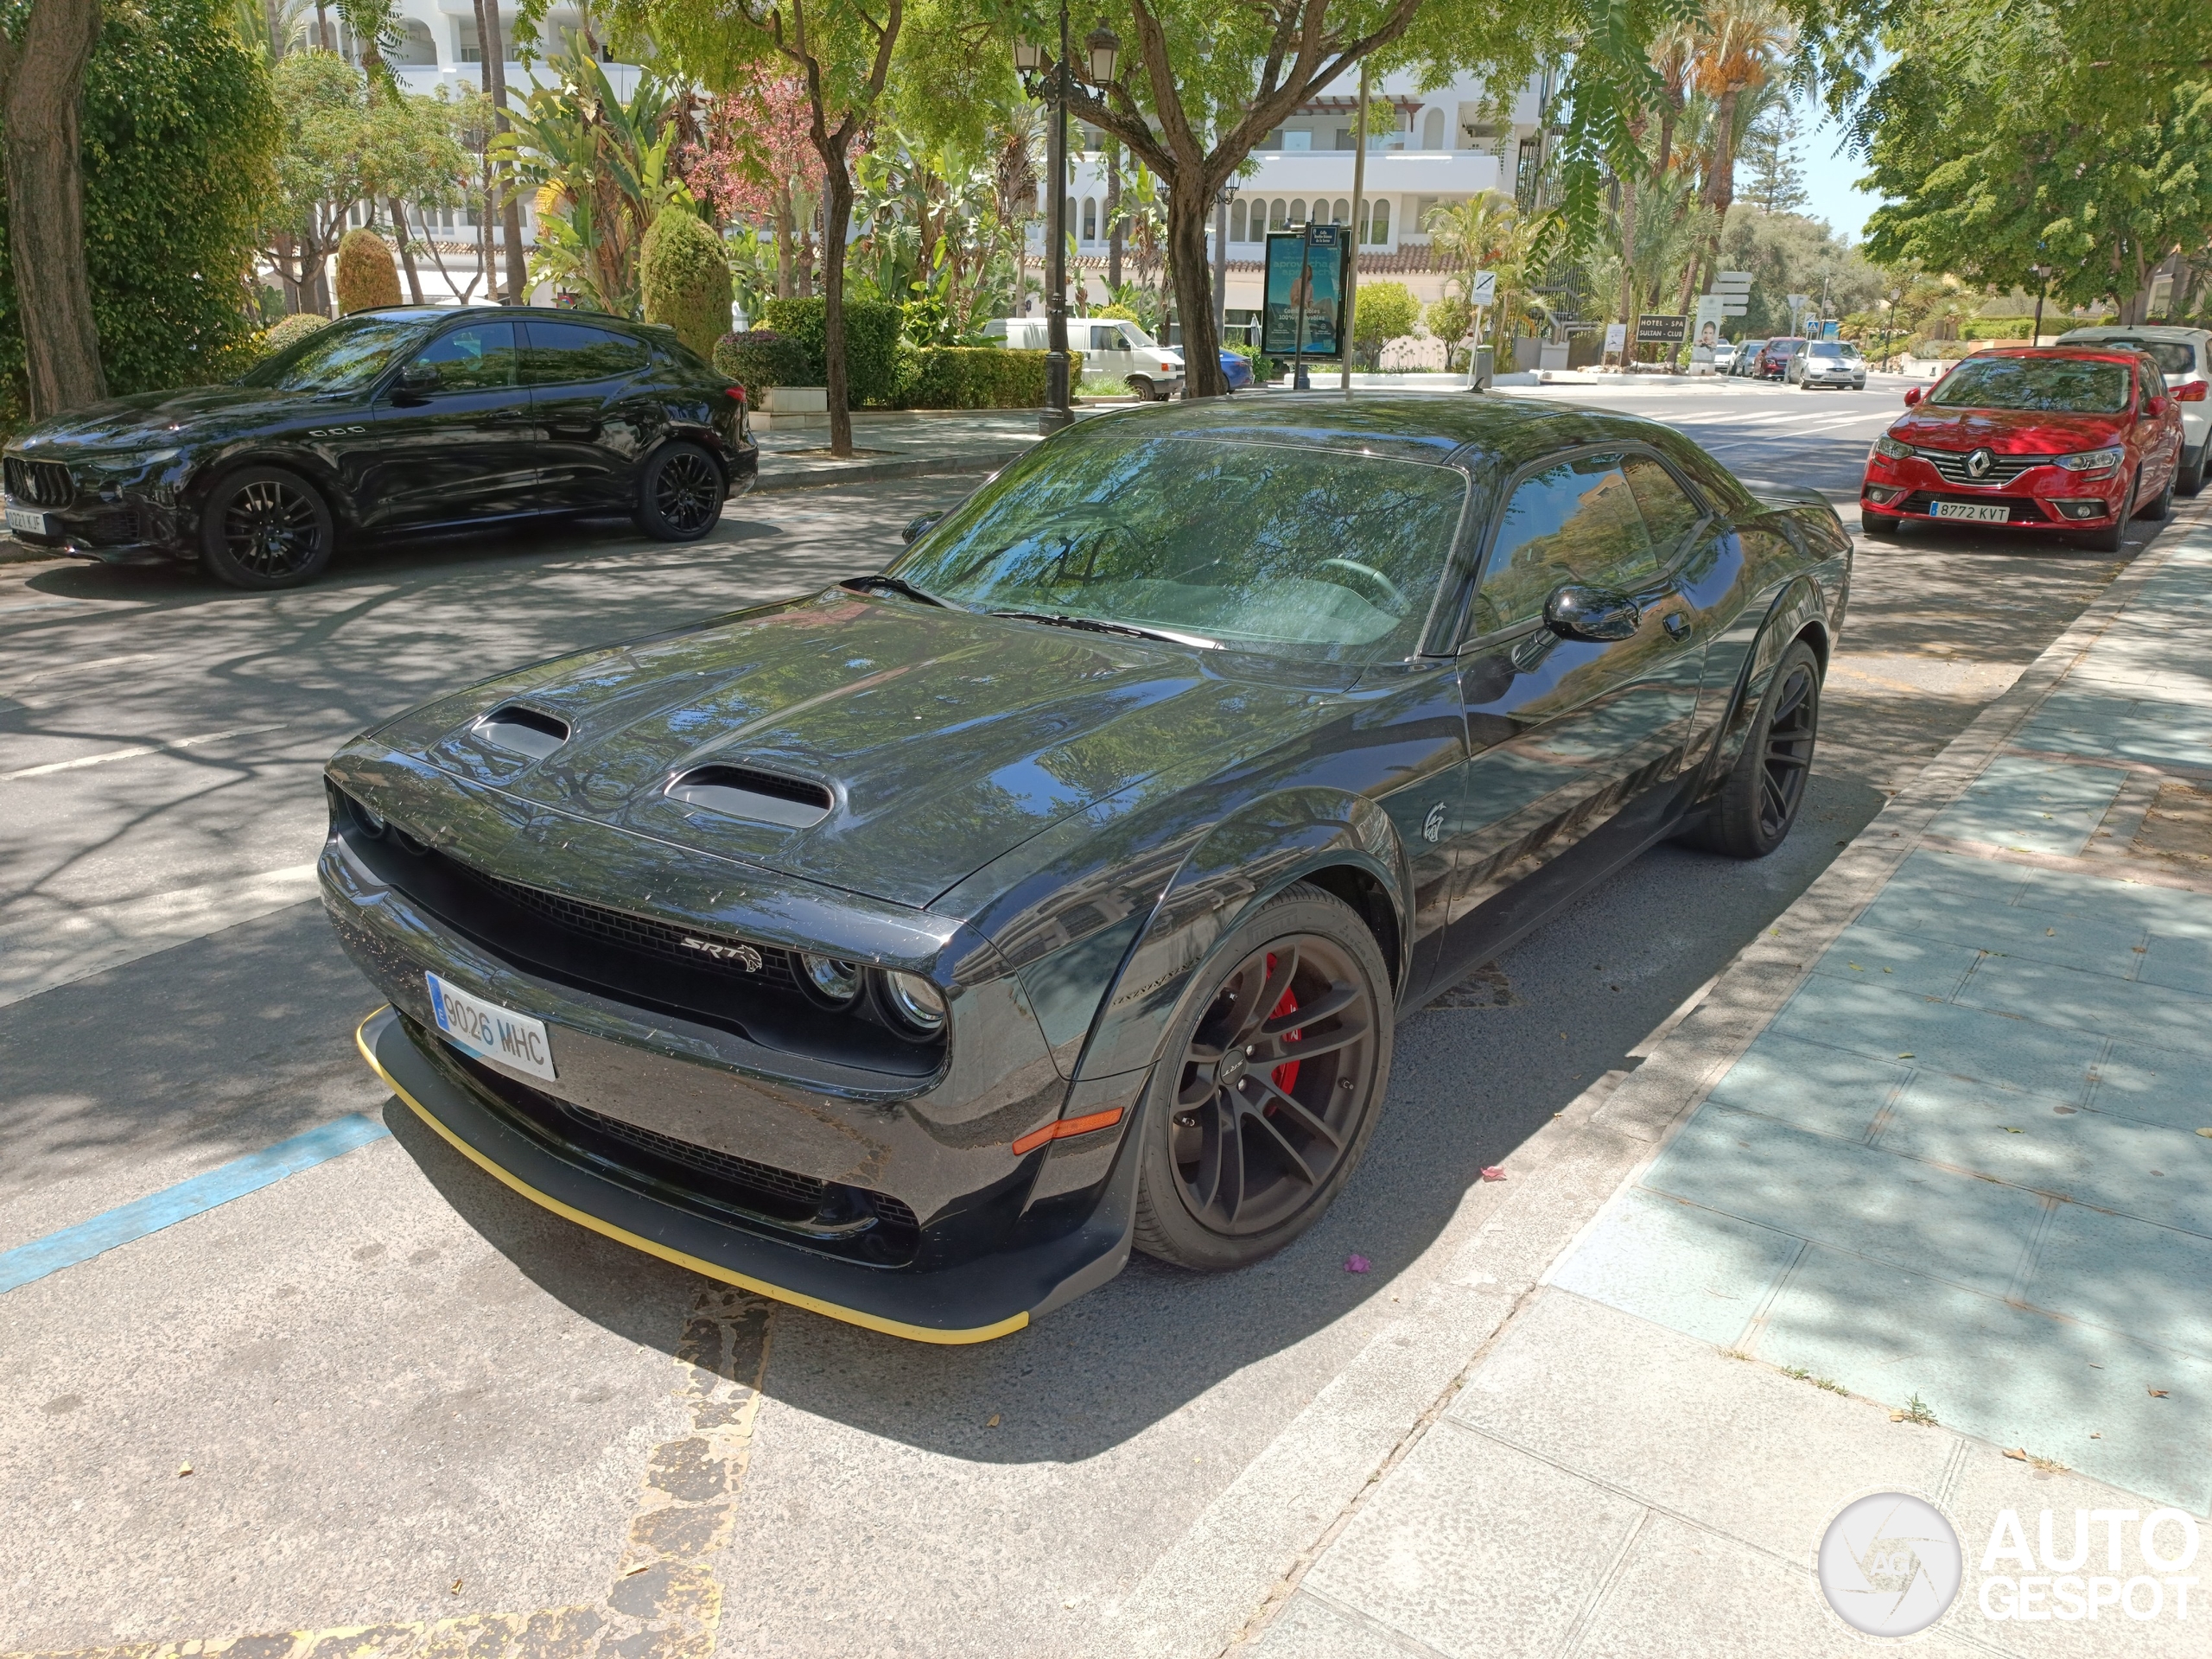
{"points": [[407, 1398]]}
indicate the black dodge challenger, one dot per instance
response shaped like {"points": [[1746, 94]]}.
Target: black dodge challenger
{"points": [[912, 950], [392, 420]]}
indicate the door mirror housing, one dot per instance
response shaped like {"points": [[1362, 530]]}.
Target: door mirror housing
{"points": [[2194, 392], [1574, 613], [1911, 396], [2157, 408], [416, 382], [919, 528]]}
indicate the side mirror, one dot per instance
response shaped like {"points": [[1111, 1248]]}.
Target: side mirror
{"points": [[1911, 396], [920, 528], [2157, 408], [2194, 392], [417, 381], [1575, 613]]}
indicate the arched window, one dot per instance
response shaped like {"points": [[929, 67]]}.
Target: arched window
{"points": [[1278, 214], [1432, 130], [1089, 218], [1378, 229], [415, 49], [1236, 211], [1298, 210], [1068, 223], [1342, 213]]}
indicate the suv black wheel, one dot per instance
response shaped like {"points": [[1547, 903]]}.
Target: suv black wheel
{"points": [[2190, 478], [262, 527], [680, 493], [1753, 814], [1269, 1086]]}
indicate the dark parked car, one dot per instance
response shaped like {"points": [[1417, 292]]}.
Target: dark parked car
{"points": [[1773, 361], [388, 420], [1237, 370], [913, 950]]}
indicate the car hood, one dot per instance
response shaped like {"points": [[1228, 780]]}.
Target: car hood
{"points": [[193, 413], [2007, 432], [937, 739]]}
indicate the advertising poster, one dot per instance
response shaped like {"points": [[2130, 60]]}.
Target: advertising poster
{"points": [[1324, 295], [1704, 328]]}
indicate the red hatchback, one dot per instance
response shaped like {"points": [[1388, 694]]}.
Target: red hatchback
{"points": [[2068, 438]]}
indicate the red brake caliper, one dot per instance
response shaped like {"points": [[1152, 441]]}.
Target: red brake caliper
{"points": [[1285, 1075]]}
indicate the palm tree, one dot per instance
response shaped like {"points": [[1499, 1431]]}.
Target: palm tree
{"points": [[1487, 232], [1740, 42]]}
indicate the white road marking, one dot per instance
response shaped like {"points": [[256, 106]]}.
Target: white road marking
{"points": [[132, 754], [43, 951]]}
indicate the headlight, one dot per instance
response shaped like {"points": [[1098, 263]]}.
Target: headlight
{"points": [[1886, 445], [833, 982], [914, 1003], [2091, 460]]}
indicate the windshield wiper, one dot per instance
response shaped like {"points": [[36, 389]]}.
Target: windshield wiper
{"points": [[1091, 624], [893, 585]]}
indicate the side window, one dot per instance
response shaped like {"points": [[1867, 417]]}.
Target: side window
{"points": [[1668, 514], [1574, 521], [479, 358], [561, 353]]}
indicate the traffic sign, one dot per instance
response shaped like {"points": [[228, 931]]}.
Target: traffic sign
{"points": [[1482, 287]]}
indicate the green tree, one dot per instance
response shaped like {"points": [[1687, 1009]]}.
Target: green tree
{"points": [[684, 277], [1383, 312], [176, 143], [1778, 181]]}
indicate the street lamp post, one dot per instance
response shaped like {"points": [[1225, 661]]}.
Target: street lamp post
{"points": [[1046, 77], [2042, 274], [1221, 201]]}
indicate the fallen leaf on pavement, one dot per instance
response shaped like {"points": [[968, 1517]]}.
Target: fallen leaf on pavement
{"points": [[2017, 1454], [1493, 1172], [1897, 1416], [993, 1423], [2157, 1394], [2096, 1435], [2009, 1129], [633, 1571], [1356, 1263], [2207, 1133], [456, 1588], [1907, 1055], [182, 1469]]}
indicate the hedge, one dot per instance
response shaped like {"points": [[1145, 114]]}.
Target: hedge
{"points": [[367, 278], [1996, 328], [762, 360], [871, 331], [683, 277], [977, 377], [290, 332]]}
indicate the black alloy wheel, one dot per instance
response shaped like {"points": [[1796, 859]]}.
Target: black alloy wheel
{"points": [[2114, 537], [264, 528], [2163, 505], [1753, 814], [680, 497], [1270, 1086]]}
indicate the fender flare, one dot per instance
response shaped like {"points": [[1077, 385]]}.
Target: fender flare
{"points": [[1799, 609]]}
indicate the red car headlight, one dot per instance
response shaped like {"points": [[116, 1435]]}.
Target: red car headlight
{"points": [[1891, 450]]}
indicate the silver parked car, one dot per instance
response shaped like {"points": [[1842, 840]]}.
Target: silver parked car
{"points": [[1747, 357], [1828, 363]]}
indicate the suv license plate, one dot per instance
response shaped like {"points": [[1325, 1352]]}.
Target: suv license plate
{"points": [[23, 518], [1989, 512], [490, 1032]]}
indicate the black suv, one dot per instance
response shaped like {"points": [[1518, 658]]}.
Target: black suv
{"points": [[400, 419]]}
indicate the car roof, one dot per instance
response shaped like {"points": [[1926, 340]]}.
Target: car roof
{"points": [[1442, 428], [454, 313], [2086, 351], [2169, 331]]}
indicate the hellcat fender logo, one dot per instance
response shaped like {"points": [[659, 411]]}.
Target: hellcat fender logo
{"points": [[334, 431], [1433, 825], [743, 955]]}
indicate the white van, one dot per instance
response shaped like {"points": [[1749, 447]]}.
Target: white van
{"points": [[1108, 346]]}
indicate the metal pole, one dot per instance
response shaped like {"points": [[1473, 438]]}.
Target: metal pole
{"points": [[1299, 381], [2035, 338], [1056, 413], [1220, 263], [1358, 230]]}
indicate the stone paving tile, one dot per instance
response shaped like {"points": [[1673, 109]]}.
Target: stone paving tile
{"points": [[1941, 1036], [2120, 727], [1814, 1086], [2051, 995], [1310, 1628], [2000, 1372], [2085, 943], [2127, 1275], [1898, 961], [2174, 912], [2181, 961], [1954, 881], [1853, 1198], [2038, 806], [1475, 1548], [1686, 1268], [2155, 1085]]}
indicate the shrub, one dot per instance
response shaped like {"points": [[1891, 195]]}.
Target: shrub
{"points": [[367, 277], [683, 276], [1449, 319], [1996, 328], [1116, 313], [762, 360], [1383, 311], [289, 333], [977, 377], [871, 331]]}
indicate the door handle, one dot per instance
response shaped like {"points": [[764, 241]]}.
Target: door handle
{"points": [[1678, 626]]}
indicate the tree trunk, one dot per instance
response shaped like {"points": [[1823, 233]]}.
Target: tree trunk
{"points": [[1628, 258], [492, 42], [41, 89], [1188, 202], [1721, 181], [836, 218], [406, 248], [784, 228]]}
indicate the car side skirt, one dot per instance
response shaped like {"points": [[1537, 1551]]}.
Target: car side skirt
{"points": [[977, 1301]]}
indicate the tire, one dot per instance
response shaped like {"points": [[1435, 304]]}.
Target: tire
{"points": [[1765, 790], [1292, 1142], [2190, 479], [2114, 537], [1142, 384], [680, 493], [1884, 524], [2163, 506], [263, 528]]}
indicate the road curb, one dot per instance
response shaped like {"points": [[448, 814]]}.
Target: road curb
{"points": [[825, 474]]}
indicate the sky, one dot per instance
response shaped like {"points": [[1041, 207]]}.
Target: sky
{"points": [[1829, 177]]}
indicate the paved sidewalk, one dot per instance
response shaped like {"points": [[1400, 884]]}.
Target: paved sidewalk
{"points": [[900, 444], [1925, 1206]]}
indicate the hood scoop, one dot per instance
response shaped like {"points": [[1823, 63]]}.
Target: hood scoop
{"points": [[522, 731], [759, 797]]}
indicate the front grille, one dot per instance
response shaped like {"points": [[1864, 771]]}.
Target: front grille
{"points": [[2020, 510], [40, 483], [1950, 466], [730, 956]]}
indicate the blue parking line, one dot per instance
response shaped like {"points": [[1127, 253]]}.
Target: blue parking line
{"points": [[134, 1220]]}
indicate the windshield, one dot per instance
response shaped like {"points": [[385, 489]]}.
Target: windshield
{"points": [[2170, 355], [1279, 548], [1825, 348], [2042, 385], [346, 357]]}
